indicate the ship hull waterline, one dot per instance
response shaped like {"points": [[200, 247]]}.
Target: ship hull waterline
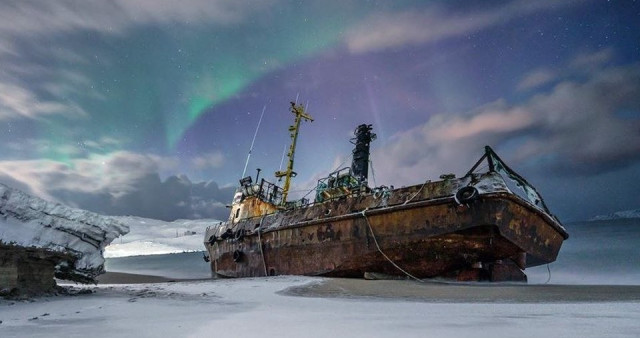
{"points": [[428, 238]]}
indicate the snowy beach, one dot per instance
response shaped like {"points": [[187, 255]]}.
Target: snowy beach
{"points": [[170, 295], [291, 306]]}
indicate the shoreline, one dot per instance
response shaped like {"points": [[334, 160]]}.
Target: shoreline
{"points": [[406, 290], [463, 292], [132, 278]]}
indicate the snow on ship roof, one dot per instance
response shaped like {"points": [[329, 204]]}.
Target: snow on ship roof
{"points": [[32, 222]]}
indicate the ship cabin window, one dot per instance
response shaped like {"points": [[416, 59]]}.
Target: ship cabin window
{"points": [[237, 212]]}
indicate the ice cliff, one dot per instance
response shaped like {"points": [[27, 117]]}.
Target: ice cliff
{"points": [[31, 222]]}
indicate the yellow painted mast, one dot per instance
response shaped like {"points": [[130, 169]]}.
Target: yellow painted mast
{"points": [[300, 114]]}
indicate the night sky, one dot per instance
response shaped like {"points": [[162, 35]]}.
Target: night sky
{"points": [[148, 107]]}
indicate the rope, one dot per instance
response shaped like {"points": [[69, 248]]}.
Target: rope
{"points": [[264, 262], [548, 271], [383, 254], [416, 194]]}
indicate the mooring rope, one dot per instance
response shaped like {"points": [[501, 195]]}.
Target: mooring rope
{"points": [[549, 272], [416, 194], [383, 254], [264, 262]]}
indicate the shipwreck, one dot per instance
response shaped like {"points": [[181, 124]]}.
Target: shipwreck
{"points": [[471, 228]]}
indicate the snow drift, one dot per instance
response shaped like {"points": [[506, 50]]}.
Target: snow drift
{"points": [[31, 222]]}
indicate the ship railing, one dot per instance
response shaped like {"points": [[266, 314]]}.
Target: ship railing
{"points": [[497, 165], [266, 191], [338, 184], [270, 193]]}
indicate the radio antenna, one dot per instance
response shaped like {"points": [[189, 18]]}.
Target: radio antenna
{"points": [[253, 141]]}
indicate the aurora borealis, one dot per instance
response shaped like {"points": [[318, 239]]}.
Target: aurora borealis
{"points": [[111, 105]]}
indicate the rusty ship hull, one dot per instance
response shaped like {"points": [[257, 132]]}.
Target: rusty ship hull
{"points": [[422, 231]]}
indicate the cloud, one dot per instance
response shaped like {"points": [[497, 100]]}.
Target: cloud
{"points": [[590, 61], [392, 30], [17, 101], [536, 78], [112, 17], [575, 128], [119, 183], [211, 160], [29, 90], [490, 120], [29, 147], [583, 63]]}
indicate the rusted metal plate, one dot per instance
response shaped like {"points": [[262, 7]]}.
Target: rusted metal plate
{"points": [[420, 228]]}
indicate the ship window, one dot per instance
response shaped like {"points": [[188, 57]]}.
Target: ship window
{"points": [[237, 212]]}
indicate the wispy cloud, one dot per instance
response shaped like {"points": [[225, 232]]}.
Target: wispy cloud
{"points": [[210, 160], [589, 61], [19, 102], [30, 89], [537, 78], [583, 63], [392, 30], [25, 17], [109, 173]]}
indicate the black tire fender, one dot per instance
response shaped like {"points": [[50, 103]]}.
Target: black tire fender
{"points": [[466, 195]]}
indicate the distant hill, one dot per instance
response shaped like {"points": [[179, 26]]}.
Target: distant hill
{"points": [[618, 215], [154, 237]]}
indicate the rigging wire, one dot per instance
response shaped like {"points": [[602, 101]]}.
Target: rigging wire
{"points": [[373, 173]]}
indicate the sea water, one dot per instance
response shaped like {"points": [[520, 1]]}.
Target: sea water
{"points": [[187, 265], [598, 252]]}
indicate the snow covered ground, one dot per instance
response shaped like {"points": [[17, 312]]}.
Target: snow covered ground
{"points": [[155, 237], [254, 307]]}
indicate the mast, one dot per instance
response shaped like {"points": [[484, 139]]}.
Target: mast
{"points": [[298, 111]]}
